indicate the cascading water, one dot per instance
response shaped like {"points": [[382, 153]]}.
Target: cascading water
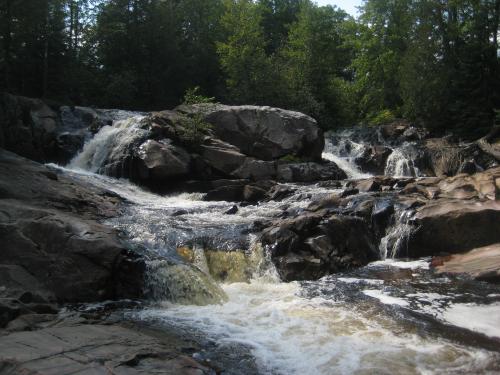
{"points": [[395, 242], [344, 147], [359, 322], [344, 153], [109, 144], [400, 163]]}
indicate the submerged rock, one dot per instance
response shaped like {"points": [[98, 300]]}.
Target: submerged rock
{"points": [[181, 283]]}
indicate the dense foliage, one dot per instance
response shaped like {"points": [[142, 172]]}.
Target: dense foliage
{"points": [[430, 61]]}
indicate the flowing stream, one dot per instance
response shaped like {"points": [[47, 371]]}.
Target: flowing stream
{"points": [[345, 146], [210, 277]]}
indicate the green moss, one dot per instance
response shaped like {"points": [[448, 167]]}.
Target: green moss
{"points": [[290, 158]]}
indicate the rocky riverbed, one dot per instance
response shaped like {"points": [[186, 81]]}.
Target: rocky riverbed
{"points": [[254, 244]]}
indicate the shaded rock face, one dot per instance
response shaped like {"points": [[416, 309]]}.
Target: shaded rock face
{"points": [[49, 133], [77, 260], [453, 214], [263, 132], [53, 249], [28, 127], [374, 159], [313, 245], [402, 131], [454, 226], [309, 172]]}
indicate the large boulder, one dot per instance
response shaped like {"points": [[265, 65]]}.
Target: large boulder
{"points": [[309, 172], [159, 161], [263, 132], [28, 127], [454, 226], [313, 245], [49, 229]]}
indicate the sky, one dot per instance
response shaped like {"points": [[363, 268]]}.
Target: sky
{"points": [[348, 5]]}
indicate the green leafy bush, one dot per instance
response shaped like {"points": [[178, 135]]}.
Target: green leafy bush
{"points": [[195, 129], [383, 117], [193, 96]]}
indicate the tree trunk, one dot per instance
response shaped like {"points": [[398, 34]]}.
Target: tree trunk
{"points": [[45, 73], [76, 29], [7, 42], [496, 25]]}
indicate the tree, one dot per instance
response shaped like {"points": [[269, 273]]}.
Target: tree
{"points": [[316, 64], [249, 71], [384, 31]]}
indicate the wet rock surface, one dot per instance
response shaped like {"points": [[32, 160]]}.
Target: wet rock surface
{"points": [[380, 216], [94, 343], [54, 249]]}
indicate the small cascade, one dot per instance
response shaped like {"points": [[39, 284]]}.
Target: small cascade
{"points": [[344, 154], [182, 284], [232, 266], [110, 145], [347, 147], [401, 163], [395, 242]]}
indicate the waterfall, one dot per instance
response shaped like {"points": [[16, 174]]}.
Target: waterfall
{"points": [[345, 147], [344, 153], [401, 163], [396, 239], [232, 266], [111, 144]]}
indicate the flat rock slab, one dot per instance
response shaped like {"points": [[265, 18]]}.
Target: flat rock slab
{"points": [[482, 263], [92, 349]]}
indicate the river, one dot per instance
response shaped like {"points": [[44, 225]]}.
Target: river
{"points": [[394, 316]]}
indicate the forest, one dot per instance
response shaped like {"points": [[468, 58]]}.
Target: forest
{"points": [[432, 62]]}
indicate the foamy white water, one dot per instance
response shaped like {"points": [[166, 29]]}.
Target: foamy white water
{"points": [[109, 144], [289, 334], [480, 318], [400, 163], [345, 159]]}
